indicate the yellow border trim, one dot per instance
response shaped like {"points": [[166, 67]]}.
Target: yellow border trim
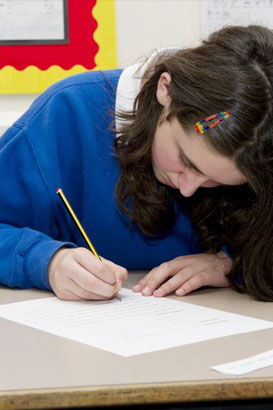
{"points": [[105, 35], [32, 80]]}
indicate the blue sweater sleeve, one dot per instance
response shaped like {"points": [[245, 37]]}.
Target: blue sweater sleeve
{"points": [[24, 251], [49, 147]]}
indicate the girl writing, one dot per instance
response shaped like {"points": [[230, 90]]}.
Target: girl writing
{"points": [[180, 185]]}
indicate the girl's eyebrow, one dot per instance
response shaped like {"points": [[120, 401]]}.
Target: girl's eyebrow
{"points": [[189, 162]]}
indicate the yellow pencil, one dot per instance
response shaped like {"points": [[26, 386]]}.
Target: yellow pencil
{"points": [[77, 222]]}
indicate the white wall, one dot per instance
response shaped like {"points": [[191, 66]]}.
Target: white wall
{"points": [[142, 25]]}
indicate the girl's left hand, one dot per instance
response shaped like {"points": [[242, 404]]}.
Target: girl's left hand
{"points": [[184, 274]]}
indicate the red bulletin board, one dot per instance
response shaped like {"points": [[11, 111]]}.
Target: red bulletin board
{"points": [[80, 50], [42, 64]]}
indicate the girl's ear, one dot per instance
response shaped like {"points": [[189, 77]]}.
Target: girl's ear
{"points": [[162, 92]]}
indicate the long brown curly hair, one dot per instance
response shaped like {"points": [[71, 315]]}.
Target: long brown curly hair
{"points": [[231, 71]]}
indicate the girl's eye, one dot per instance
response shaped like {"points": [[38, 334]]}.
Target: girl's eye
{"points": [[183, 161]]}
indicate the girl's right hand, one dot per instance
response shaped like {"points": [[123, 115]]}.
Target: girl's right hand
{"points": [[76, 274]]}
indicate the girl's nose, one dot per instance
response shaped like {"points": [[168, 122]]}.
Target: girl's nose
{"points": [[190, 182]]}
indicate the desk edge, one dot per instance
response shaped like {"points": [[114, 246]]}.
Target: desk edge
{"points": [[133, 394]]}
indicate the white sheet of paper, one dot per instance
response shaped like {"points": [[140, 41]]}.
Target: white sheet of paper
{"points": [[134, 325], [259, 361], [217, 13], [31, 20]]}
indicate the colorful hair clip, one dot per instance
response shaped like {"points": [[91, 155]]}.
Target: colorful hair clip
{"points": [[207, 123]]}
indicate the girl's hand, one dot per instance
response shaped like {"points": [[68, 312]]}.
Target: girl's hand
{"points": [[184, 274], [76, 274]]}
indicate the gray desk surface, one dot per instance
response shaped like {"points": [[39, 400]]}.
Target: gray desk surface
{"points": [[40, 370]]}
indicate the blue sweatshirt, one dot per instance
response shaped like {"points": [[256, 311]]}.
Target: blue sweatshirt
{"points": [[64, 141]]}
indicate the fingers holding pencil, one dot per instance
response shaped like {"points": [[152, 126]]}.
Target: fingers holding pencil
{"points": [[79, 226], [121, 273], [76, 274]]}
